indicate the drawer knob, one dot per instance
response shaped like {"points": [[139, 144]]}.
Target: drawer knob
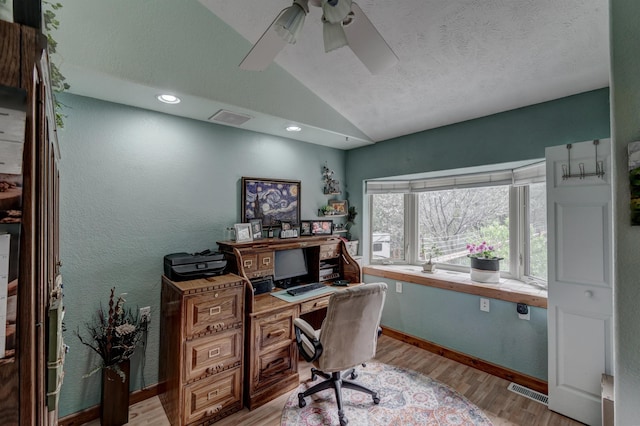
{"points": [[214, 352], [212, 394], [248, 263], [266, 261], [215, 310]]}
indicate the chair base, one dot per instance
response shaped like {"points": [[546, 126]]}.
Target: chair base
{"points": [[336, 381]]}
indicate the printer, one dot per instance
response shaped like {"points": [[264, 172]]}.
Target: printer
{"points": [[185, 266]]}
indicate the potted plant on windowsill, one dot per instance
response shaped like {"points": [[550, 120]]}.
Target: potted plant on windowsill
{"points": [[485, 265], [434, 251]]}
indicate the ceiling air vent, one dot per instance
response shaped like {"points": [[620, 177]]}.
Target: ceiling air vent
{"points": [[231, 118]]}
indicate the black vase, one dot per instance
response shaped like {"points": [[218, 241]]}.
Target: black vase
{"points": [[114, 410]]}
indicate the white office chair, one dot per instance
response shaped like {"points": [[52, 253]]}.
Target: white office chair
{"points": [[347, 338]]}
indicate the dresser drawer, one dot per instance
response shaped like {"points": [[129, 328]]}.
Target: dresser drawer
{"points": [[212, 354], [212, 395], [213, 311], [274, 329], [275, 366], [314, 305]]}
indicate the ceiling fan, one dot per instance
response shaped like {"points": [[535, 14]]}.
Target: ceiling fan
{"points": [[343, 23]]}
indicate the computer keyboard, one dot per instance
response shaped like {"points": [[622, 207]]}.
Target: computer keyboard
{"points": [[298, 290]]}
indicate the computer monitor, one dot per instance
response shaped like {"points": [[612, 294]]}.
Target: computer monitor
{"points": [[289, 264]]}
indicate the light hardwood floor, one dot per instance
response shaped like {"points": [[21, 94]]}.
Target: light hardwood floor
{"points": [[488, 392]]}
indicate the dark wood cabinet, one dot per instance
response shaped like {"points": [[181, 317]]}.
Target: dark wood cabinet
{"points": [[24, 381], [201, 350], [271, 354]]}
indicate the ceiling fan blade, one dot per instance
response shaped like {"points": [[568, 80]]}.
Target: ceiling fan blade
{"points": [[367, 43], [265, 50]]}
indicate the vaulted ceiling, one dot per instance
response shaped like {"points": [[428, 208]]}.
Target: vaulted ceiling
{"points": [[458, 60]]}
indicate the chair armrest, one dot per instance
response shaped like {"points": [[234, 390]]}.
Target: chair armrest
{"points": [[307, 340]]}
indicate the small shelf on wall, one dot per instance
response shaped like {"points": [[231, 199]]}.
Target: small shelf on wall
{"points": [[339, 231], [330, 215]]}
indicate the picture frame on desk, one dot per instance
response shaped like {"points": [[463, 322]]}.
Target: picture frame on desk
{"points": [[305, 228], [243, 232], [256, 228], [271, 200], [322, 227]]}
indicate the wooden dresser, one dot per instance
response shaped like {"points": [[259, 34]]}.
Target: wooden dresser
{"points": [[201, 348], [271, 354]]}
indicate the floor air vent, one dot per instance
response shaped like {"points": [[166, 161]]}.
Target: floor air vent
{"points": [[528, 393]]}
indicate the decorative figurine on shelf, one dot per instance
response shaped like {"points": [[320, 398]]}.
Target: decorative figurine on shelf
{"points": [[331, 186]]}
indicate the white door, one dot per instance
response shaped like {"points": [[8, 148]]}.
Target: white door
{"points": [[580, 304]]}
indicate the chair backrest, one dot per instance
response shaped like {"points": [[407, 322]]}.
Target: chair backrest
{"points": [[350, 330]]}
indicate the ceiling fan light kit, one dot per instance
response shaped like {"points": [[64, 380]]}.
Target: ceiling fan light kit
{"points": [[336, 11], [290, 22], [333, 35]]}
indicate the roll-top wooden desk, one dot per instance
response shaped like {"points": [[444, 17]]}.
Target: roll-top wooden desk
{"points": [[271, 354]]}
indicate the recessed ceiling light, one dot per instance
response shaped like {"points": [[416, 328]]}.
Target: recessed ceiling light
{"points": [[169, 99], [293, 128]]}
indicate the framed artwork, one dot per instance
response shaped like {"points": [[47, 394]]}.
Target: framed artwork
{"points": [[243, 232], [339, 206], [322, 227], [273, 201], [256, 228], [305, 228]]}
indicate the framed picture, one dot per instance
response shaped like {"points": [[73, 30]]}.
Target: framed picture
{"points": [[339, 206], [256, 228], [271, 200], [243, 232], [322, 227], [305, 228], [285, 225]]}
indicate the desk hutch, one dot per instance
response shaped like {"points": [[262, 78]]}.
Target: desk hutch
{"points": [[271, 354]]}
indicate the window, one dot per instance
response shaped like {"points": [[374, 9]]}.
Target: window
{"points": [[387, 228], [450, 219], [507, 209]]}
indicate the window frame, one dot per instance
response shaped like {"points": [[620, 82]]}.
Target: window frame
{"points": [[519, 238]]}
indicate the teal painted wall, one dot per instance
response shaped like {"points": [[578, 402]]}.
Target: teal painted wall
{"points": [[520, 134], [454, 320], [137, 185], [625, 95]]}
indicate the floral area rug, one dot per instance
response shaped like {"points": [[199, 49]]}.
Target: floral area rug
{"points": [[407, 398]]}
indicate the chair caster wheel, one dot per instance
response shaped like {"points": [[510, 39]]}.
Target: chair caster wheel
{"points": [[376, 399], [354, 375], [301, 402], [314, 376], [343, 422]]}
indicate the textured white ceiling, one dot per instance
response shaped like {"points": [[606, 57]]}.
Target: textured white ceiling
{"points": [[458, 60]]}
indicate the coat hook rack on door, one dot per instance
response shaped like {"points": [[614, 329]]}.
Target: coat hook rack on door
{"points": [[566, 168]]}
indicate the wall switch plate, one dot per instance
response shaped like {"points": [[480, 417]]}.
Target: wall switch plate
{"points": [[145, 314], [524, 312], [398, 287], [484, 305]]}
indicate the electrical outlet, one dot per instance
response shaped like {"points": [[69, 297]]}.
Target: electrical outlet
{"points": [[145, 314], [398, 287], [524, 312], [484, 305]]}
